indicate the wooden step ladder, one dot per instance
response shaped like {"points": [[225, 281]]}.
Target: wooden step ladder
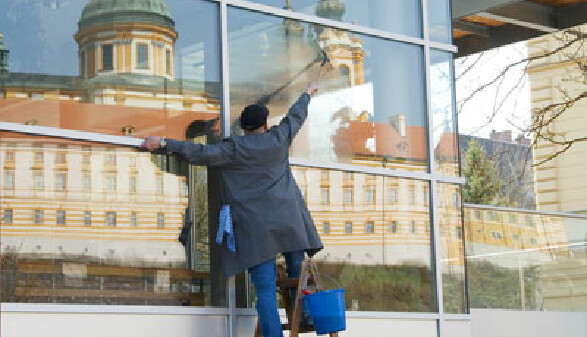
{"points": [[308, 277]]}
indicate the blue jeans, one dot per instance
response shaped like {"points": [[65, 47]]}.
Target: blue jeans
{"points": [[263, 276]]}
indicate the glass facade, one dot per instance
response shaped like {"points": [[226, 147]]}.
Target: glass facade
{"points": [[370, 110], [397, 16], [99, 220], [525, 260]]}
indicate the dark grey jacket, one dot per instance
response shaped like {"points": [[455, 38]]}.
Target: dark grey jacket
{"points": [[268, 211]]}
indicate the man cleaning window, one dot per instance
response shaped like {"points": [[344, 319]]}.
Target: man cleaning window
{"points": [[263, 211]]}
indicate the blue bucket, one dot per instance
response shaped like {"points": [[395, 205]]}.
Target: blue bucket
{"points": [[327, 310]]}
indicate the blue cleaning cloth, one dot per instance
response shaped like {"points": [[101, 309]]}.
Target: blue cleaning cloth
{"points": [[225, 227]]}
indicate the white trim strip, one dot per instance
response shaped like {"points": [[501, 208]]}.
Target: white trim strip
{"points": [[136, 142], [325, 22], [516, 22], [242, 312], [527, 211], [71, 134], [111, 309]]}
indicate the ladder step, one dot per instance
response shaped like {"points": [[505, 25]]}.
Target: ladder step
{"points": [[288, 282], [303, 329]]}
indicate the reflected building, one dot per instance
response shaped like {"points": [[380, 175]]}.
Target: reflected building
{"points": [[557, 80]]}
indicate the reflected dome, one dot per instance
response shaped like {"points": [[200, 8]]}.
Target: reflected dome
{"points": [[108, 11]]}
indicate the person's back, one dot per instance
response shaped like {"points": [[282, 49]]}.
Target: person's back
{"points": [[268, 212]]}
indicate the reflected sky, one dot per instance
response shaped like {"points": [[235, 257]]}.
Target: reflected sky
{"points": [[51, 25]]}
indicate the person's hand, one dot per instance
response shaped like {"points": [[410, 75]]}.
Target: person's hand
{"points": [[312, 88], [151, 143]]}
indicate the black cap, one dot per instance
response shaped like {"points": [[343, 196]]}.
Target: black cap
{"points": [[254, 116]]}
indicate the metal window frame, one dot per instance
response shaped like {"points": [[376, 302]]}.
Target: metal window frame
{"points": [[431, 176]]}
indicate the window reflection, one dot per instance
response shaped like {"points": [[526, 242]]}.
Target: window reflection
{"points": [[370, 107], [128, 70], [452, 253], [373, 245], [441, 99], [524, 261], [398, 16], [94, 243]]}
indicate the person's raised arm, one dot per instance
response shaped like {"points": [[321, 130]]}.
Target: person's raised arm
{"points": [[220, 154], [294, 119]]}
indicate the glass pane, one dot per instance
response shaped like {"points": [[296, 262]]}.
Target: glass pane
{"points": [[525, 261], [370, 106], [440, 21], [444, 119], [452, 254], [125, 69], [397, 16], [382, 268], [92, 245]]}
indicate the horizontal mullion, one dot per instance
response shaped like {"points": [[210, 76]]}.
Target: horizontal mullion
{"points": [[325, 22]]}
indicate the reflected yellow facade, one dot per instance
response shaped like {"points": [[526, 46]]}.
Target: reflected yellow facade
{"points": [[558, 78], [62, 190]]}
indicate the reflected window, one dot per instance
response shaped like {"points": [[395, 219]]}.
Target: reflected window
{"points": [[9, 154], [477, 214], [370, 195], [82, 65], [38, 179], [392, 227], [60, 217], [455, 200], [459, 232], [496, 235], [326, 227], [39, 216], [392, 196], [348, 227], [325, 195], [39, 157], [324, 175], [111, 183], [110, 159], [133, 184], [107, 57], [516, 237], [142, 56], [133, 219], [168, 62], [184, 187], [512, 218], [348, 196], [111, 219], [160, 220], [370, 110], [534, 242], [61, 181], [9, 179], [87, 181], [8, 216], [370, 227], [412, 195], [159, 182], [529, 221], [413, 226], [87, 218]]}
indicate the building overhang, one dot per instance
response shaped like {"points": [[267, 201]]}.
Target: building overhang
{"points": [[480, 25]]}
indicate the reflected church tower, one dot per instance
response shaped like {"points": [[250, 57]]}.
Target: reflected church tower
{"points": [[344, 50], [126, 37]]}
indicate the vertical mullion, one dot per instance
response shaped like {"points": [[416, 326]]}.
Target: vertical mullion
{"points": [[225, 120], [433, 182]]}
